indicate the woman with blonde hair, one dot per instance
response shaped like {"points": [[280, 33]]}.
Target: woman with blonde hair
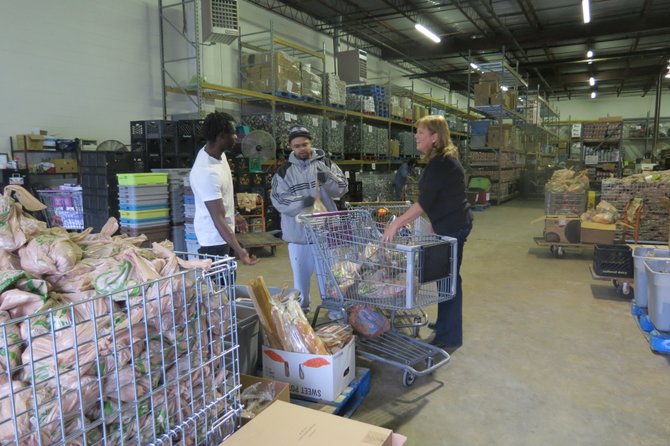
{"points": [[442, 198]]}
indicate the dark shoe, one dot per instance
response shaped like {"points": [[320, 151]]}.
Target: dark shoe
{"points": [[436, 342]]}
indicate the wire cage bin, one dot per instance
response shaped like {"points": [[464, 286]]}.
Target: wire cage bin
{"points": [[155, 363], [63, 208], [354, 266], [565, 203]]}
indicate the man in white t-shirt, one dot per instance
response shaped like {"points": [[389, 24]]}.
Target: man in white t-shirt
{"points": [[212, 185]]}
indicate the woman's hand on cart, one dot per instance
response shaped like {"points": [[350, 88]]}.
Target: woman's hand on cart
{"points": [[390, 231]]}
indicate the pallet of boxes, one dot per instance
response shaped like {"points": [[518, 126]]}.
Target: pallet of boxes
{"points": [[488, 92], [564, 203]]}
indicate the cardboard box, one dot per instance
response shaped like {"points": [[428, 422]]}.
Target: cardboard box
{"points": [[597, 233], [562, 229], [394, 148], [65, 165], [482, 94], [281, 390], [321, 377], [288, 424], [29, 142]]}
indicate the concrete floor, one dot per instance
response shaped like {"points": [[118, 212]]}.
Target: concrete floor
{"points": [[550, 356]]}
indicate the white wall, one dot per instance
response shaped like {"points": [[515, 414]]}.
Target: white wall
{"points": [[78, 68], [629, 107]]}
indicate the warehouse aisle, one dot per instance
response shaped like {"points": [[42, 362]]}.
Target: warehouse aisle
{"points": [[550, 357]]}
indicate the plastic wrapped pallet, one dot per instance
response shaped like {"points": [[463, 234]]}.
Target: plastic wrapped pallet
{"points": [[312, 85], [315, 125], [377, 186], [407, 143], [336, 90], [650, 187], [334, 136]]}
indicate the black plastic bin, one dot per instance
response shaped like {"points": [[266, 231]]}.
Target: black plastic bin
{"points": [[613, 261]]}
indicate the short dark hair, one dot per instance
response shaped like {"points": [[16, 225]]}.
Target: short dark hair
{"points": [[215, 123]]}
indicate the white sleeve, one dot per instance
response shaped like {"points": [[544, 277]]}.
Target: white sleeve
{"points": [[208, 185]]}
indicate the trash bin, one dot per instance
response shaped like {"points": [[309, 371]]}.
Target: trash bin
{"points": [[478, 191], [641, 253]]}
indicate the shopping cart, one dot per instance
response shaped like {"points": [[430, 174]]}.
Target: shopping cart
{"points": [[156, 363], [63, 208], [383, 213], [414, 271]]}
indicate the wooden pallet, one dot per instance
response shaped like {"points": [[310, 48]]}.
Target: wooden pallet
{"points": [[251, 240], [349, 400]]}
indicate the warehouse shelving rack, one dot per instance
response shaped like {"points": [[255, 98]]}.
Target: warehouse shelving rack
{"points": [[503, 165]]}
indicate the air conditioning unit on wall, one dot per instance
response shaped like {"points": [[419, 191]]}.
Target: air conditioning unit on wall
{"points": [[352, 66], [220, 22]]}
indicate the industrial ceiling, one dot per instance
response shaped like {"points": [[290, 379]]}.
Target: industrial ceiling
{"points": [[546, 39]]}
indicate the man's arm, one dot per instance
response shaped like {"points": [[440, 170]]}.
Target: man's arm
{"points": [[336, 183], [218, 212]]}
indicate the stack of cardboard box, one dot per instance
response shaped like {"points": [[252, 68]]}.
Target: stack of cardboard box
{"points": [[259, 70], [504, 136], [488, 92]]}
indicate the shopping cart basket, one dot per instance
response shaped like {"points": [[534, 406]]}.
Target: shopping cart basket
{"points": [[156, 363], [63, 208], [383, 213], [414, 271]]}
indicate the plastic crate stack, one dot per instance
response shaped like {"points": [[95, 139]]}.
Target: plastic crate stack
{"points": [[144, 205], [176, 193], [378, 93], [191, 240], [100, 185]]}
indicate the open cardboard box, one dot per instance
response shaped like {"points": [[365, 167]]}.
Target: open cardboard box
{"points": [[288, 424], [317, 377], [281, 390]]}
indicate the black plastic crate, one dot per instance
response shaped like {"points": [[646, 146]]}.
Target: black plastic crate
{"points": [[98, 162], [152, 129], [613, 261]]}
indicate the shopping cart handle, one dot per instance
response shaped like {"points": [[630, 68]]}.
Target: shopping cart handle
{"points": [[321, 214]]}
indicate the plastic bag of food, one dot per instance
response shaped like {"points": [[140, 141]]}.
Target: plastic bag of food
{"points": [[257, 397], [368, 321], [335, 336], [50, 252], [10, 346]]}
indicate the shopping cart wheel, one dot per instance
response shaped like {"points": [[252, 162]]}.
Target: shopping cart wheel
{"points": [[559, 252], [622, 288], [408, 378]]}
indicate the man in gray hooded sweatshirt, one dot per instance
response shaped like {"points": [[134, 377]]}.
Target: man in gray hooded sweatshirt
{"points": [[294, 188]]}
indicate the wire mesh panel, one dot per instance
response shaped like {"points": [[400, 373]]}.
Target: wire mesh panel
{"points": [[566, 203], [156, 363], [384, 212], [64, 208], [353, 265]]}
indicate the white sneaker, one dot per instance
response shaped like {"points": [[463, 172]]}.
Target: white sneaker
{"points": [[335, 315]]}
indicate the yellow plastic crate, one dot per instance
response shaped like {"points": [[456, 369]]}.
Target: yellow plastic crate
{"points": [[141, 179], [139, 215]]}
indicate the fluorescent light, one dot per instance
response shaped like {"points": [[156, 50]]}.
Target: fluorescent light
{"points": [[586, 11], [474, 66], [589, 54], [592, 81], [593, 95], [667, 75], [504, 88], [426, 32], [590, 62]]}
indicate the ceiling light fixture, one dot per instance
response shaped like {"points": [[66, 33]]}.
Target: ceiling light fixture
{"points": [[504, 88], [586, 11], [474, 66], [589, 54], [593, 95], [428, 33], [592, 81]]}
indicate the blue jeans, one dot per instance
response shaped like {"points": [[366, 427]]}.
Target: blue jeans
{"points": [[449, 323]]}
